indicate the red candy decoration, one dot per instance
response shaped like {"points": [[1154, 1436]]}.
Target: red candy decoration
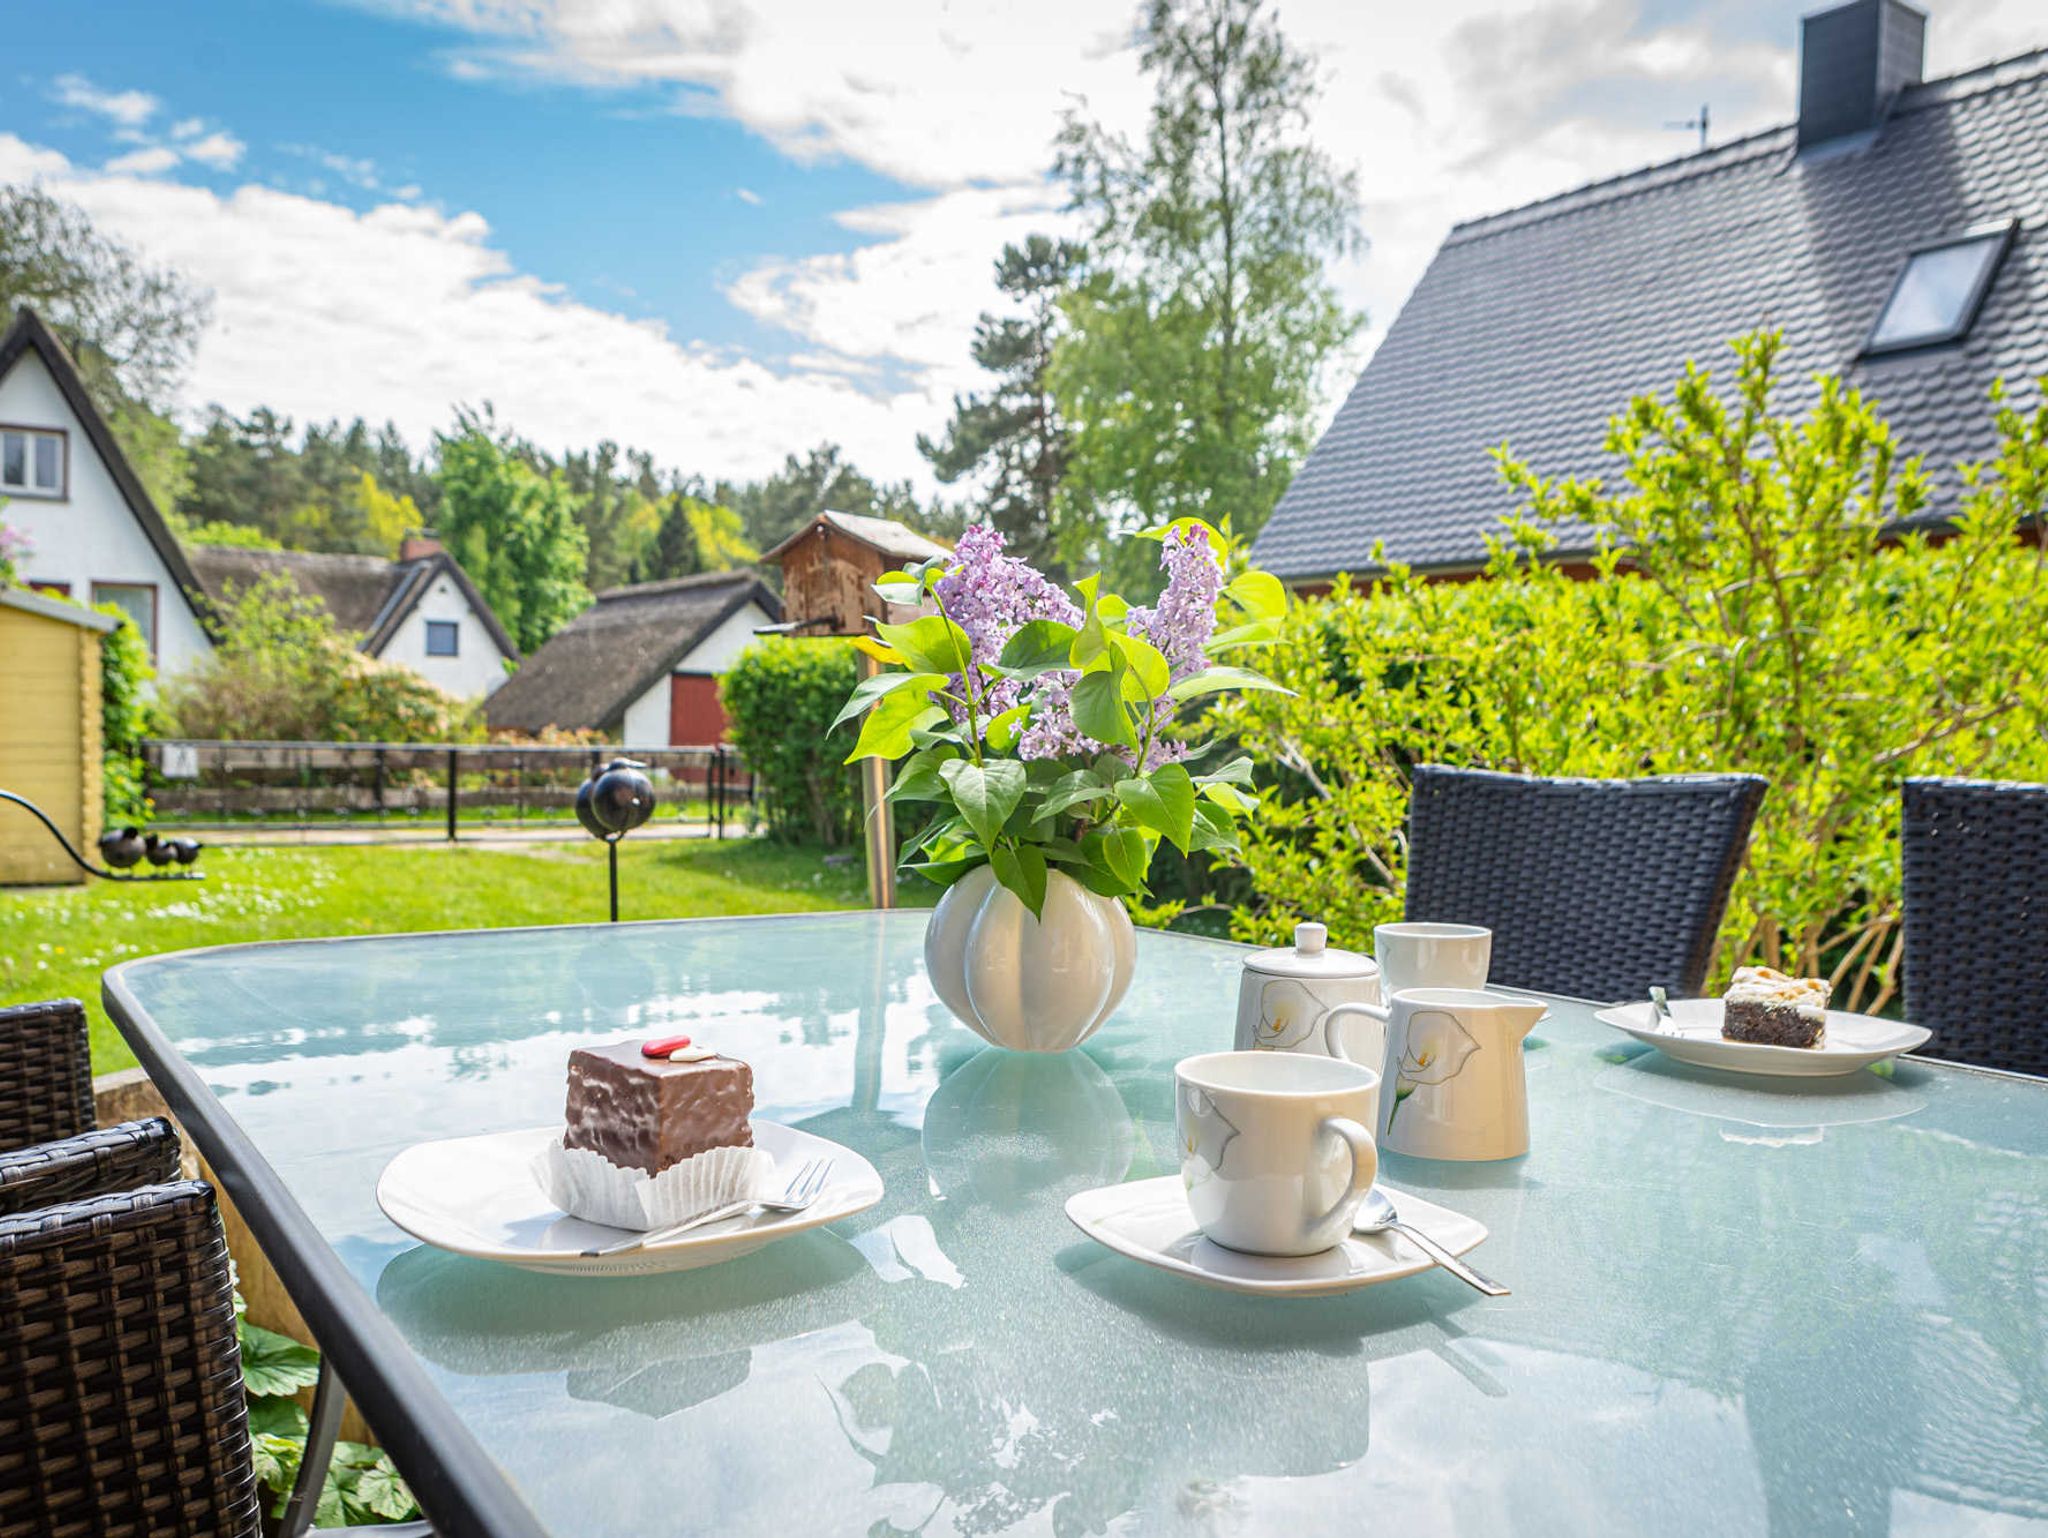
{"points": [[663, 1047]]}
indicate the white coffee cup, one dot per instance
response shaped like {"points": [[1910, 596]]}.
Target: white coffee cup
{"points": [[1276, 1151], [1431, 956]]}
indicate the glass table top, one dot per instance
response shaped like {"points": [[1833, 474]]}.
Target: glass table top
{"points": [[1739, 1307]]}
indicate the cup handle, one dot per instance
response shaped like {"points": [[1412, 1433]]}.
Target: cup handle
{"points": [[1365, 1163], [1380, 1012]]}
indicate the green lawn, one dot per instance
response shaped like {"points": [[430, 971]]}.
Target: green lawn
{"points": [[55, 941]]}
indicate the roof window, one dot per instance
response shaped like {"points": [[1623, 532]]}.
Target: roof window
{"points": [[1938, 292]]}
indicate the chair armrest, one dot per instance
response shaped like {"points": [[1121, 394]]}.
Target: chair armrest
{"points": [[45, 1072], [136, 1153]]}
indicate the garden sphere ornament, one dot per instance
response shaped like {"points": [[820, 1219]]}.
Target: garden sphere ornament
{"points": [[611, 803]]}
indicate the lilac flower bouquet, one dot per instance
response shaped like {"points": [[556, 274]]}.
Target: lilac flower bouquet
{"points": [[1040, 721]]}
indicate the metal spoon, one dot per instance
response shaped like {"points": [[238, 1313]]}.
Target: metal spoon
{"points": [[1376, 1214], [1660, 1007]]}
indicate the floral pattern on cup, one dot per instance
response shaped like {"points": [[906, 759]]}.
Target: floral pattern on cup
{"points": [[1288, 1011], [1205, 1132], [1436, 1050]]}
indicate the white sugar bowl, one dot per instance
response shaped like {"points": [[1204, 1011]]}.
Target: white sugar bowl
{"points": [[1307, 997]]}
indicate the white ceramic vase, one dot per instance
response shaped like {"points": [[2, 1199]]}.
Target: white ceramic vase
{"points": [[1029, 984]]}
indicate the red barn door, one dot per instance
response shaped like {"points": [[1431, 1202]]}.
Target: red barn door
{"points": [[695, 718]]}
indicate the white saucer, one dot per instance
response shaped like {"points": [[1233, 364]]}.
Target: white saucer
{"points": [[477, 1196], [1693, 1035], [1149, 1220]]}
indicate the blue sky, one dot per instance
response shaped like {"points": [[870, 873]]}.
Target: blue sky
{"points": [[725, 230]]}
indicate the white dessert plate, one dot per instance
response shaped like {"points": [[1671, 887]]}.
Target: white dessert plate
{"points": [[1693, 1035], [477, 1196], [1149, 1221]]}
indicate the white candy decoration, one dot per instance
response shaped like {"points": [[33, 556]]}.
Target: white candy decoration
{"points": [[691, 1054]]}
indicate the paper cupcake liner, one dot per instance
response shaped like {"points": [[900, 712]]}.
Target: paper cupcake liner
{"points": [[588, 1185]]}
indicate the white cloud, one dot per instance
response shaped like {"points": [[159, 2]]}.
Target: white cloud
{"points": [[357, 171], [153, 161], [220, 150], [128, 109], [188, 128], [748, 196], [404, 312]]}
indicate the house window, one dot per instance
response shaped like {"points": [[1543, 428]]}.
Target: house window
{"points": [[443, 638], [31, 462], [137, 600], [1938, 292]]}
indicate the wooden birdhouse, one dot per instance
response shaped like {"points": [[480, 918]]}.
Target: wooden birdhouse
{"points": [[829, 568]]}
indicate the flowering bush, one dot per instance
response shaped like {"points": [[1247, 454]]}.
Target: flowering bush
{"points": [[14, 549], [1043, 723]]}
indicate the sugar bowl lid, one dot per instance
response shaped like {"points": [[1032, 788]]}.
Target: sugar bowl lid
{"points": [[1311, 955]]}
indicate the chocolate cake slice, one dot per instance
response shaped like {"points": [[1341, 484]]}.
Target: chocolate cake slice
{"points": [[1769, 1009], [649, 1113]]}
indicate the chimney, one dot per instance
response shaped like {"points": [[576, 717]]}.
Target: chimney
{"points": [[1853, 62], [417, 545]]}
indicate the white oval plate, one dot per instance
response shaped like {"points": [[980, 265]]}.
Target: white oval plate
{"points": [[477, 1196], [1694, 1036], [1149, 1221]]}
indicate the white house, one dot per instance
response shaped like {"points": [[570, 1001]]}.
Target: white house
{"points": [[641, 664], [93, 533], [421, 609]]}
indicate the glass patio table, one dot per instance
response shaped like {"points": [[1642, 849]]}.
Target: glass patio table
{"points": [[1800, 1308]]}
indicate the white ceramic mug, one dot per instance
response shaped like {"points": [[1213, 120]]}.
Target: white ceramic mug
{"points": [[1431, 956], [1276, 1151]]}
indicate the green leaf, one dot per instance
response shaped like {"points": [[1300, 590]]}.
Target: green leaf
{"points": [[274, 1363], [1098, 708], [276, 1415], [1125, 855], [986, 793], [1257, 632], [944, 872], [1163, 801], [1216, 680], [1112, 607], [1229, 797], [919, 778], [1237, 772], [931, 643], [1002, 731], [886, 731], [1022, 870], [276, 1461], [868, 690], [900, 588], [381, 1492], [1258, 593], [1148, 664], [1071, 790], [1038, 647]]}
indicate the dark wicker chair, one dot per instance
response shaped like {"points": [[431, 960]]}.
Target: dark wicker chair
{"points": [[1593, 888], [1976, 912], [45, 1073], [136, 1153], [121, 1405]]}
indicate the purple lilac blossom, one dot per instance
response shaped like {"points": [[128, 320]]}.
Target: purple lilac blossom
{"points": [[991, 596]]}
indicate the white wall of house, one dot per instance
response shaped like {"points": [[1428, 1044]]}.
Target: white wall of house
{"points": [[647, 717], [477, 667], [89, 535]]}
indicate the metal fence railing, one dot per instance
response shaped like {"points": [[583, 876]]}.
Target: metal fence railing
{"points": [[421, 788]]}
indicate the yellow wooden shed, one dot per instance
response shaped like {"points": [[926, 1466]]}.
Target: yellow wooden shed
{"points": [[49, 733]]}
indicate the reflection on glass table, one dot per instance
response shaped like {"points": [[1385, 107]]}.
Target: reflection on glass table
{"points": [[1846, 1335]]}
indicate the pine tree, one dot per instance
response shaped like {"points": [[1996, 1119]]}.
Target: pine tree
{"points": [[1013, 436]]}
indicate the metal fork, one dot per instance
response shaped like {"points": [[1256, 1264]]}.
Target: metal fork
{"points": [[804, 1188]]}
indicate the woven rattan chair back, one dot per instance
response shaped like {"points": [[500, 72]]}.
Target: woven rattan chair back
{"points": [[121, 1409], [1593, 888], [135, 1153], [45, 1073], [1976, 908]]}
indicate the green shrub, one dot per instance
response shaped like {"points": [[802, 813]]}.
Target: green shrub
{"points": [[283, 673], [125, 675], [781, 697], [1748, 613]]}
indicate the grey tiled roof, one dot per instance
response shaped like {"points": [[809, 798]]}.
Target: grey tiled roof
{"points": [[1535, 326]]}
